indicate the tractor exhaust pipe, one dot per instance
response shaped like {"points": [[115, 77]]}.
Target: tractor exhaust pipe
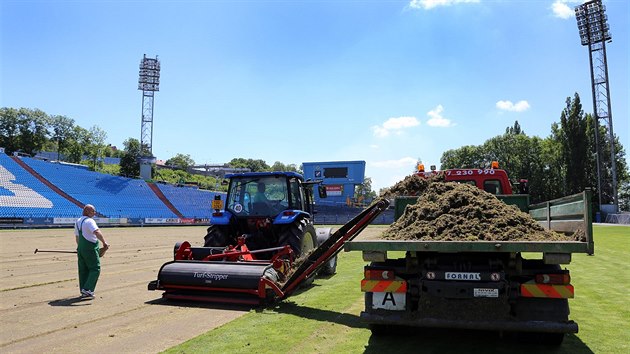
{"points": [[54, 251]]}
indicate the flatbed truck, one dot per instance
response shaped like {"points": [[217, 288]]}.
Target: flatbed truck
{"points": [[505, 286]]}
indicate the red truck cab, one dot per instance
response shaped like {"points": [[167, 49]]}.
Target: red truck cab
{"points": [[492, 180]]}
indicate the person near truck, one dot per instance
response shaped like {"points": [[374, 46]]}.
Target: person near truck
{"points": [[87, 234]]}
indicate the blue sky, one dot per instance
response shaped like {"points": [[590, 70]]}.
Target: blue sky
{"points": [[388, 82]]}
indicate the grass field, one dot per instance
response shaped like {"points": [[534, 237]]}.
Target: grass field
{"points": [[325, 319]]}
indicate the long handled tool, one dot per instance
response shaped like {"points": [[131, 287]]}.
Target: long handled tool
{"points": [[54, 251]]}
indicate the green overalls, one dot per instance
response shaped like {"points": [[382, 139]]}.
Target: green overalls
{"points": [[89, 262]]}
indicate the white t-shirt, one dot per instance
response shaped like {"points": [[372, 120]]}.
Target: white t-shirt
{"points": [[88, 229]]}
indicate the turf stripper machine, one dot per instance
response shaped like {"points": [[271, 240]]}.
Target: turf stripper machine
{"points": [[259, 250]]}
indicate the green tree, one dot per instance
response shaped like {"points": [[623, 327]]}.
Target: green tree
{"points": [[96, 146], [624, 195], [553, 173], [468, 156], [62, 127], [76, 144], [623, 175], [575, 150], [521, 156], [364, 191], [9, 129], [129, 165], [181, 161], [515, 129], [518, 154], [33, 130], [279, 166], [253, 165]]}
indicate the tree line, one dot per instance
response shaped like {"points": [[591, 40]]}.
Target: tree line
{"points": [[561, 164], [30, 131]]}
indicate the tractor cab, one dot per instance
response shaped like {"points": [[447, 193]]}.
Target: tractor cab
{"points": [[267, 208], [264, 196]]}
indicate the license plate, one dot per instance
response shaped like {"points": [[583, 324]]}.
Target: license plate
{"points": [[389, 301], [480, 292]]}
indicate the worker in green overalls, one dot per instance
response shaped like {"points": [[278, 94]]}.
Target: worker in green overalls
{"points": [[88, 252]]}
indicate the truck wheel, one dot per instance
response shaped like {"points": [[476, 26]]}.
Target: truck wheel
{"points": [[541, 309], [549, 339], [552, 339], [300, 236], [216, 237], [380, 329], [330, 267]]}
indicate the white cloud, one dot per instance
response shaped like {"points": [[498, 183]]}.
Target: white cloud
{"points": [[396, 125], [561, 9], [519, 106], [429, 4], [404, 162], [437, 120]]}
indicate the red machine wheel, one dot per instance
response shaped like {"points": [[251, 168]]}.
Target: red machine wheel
{"points": [[180, 250]]}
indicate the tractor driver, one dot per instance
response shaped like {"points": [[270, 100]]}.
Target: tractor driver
{"points": [[261, 204], [260, 196]]}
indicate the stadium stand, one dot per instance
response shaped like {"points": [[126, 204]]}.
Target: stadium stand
{"points": [[113, 196], [191, 202], [22, 195], [39, 192]]}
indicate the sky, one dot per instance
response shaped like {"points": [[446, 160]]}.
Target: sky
{"points": [[387, 82]]}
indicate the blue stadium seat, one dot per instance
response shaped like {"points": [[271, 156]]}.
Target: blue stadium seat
{"points": [[24, 196]]}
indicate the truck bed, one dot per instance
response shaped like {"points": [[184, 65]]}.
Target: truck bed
{"points": [[566, 215], [469, 246]]}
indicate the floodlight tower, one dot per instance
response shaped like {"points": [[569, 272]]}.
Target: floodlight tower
{"points": [[149, 82], [594, 32]]}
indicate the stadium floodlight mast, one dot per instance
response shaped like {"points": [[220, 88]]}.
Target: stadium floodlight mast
{"points": [[149, 82], [594, 32]]}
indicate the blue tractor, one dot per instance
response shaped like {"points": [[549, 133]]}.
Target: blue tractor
{"points": [[261, 245], [268, 209]]}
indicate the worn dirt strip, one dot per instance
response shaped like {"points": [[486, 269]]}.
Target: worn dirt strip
{"points": [[40, 310]]}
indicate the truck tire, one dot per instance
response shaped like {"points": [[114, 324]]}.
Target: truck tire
{"points": [[329, 268], [540, 309], [380, 329], [216, 237], [549, 339], [300, 236]]}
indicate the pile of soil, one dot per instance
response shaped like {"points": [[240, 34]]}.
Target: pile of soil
{"points": [[449, 211]]}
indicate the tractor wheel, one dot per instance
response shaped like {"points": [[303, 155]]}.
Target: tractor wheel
{"points": [[300, 236], [216, 237]]}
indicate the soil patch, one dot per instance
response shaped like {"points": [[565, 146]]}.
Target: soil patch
{"points": [[449, 211]]}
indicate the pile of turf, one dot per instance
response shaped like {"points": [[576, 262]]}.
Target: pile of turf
{"points": [[449, 211]]}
